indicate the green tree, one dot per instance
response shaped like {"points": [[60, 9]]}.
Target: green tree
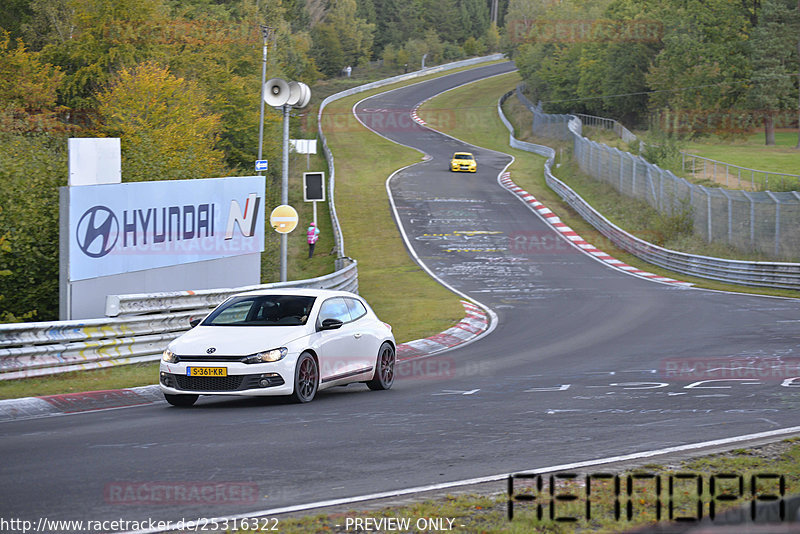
{"points": [[355, 33], [108, 36], [705, 63], [342, 39], [614, 64], [475, 14], [14, 14], [327, 51], [397, 21], [32, 167], [164, 125], [492, 38], [27, 89], [774, 57], [50, 22]]}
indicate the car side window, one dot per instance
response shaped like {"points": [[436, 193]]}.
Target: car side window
{"points": [[357, 310], [335, 308]]}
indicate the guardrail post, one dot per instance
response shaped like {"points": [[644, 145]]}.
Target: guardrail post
{"points": [[777, 222], [752, 219], [708, 205], [730, 215]]}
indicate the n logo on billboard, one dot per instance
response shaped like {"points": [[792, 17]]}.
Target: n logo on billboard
{"points": [[247, 220]]}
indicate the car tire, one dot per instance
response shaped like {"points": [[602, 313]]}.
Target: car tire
{"points": [[306, 379], [384, 369], [183, 401]]}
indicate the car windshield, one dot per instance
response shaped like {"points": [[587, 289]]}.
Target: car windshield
{"points": [[262, 310], [463, 156]]}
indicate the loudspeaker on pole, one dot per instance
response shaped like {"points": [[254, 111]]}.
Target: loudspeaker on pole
{"points": [[276, 92], [299, 94]]}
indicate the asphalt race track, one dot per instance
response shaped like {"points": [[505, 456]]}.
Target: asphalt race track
{"points": [[582, 365]]}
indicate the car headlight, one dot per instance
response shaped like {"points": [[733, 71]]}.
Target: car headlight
{"points": [[267, 356], [169, 356]]}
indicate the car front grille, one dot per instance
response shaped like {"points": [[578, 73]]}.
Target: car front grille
{"points": [[208, 358], [221, 383], [209, 383]]}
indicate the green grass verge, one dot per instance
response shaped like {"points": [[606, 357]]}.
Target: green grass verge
{"points": [[399, 291], [752, 153], [123, 376], [481, 126]]}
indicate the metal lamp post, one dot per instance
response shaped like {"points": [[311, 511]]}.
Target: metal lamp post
{"points": [[285, 95], [266, 31]]}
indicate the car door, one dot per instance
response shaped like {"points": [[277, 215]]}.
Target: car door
{"points": [[336, 346], [364, 332]]}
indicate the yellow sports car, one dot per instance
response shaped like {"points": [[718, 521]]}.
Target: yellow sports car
{"points": [[463, 161]]}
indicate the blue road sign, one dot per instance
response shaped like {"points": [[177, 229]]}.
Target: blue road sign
{"points": [[262, 165]]}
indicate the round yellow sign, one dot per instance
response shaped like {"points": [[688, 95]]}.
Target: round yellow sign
{"points": [[283, 219]]}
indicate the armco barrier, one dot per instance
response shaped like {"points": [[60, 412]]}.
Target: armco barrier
{"points": [[35, 349], [752, 273], [345, 279]]}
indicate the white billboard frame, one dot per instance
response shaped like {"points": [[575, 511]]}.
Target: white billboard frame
{"points": [[194, 234]]}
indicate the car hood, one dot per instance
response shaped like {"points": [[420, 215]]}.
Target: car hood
{"points": [[236, 340]]}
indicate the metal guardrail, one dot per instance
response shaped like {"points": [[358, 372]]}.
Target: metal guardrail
{"points": [[345, 279], [607, 124], [753, 273], [36, 349]]}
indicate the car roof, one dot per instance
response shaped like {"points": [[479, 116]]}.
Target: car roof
{"points": [[463, 153], [299, 291]]}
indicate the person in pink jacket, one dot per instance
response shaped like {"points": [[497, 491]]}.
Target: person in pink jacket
{"points": [[313, 234]]}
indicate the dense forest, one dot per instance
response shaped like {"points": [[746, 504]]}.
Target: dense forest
{"points": [[179, 81], [693, 67]]}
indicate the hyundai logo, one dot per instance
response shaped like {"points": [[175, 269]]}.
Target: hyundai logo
{"points": [[211, 350], [98, 231]]}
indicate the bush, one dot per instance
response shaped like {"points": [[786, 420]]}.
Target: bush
{"points": [[31, 170]]}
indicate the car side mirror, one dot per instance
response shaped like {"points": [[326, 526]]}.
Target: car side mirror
{"points": [[331, 324], [195, 321]]}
